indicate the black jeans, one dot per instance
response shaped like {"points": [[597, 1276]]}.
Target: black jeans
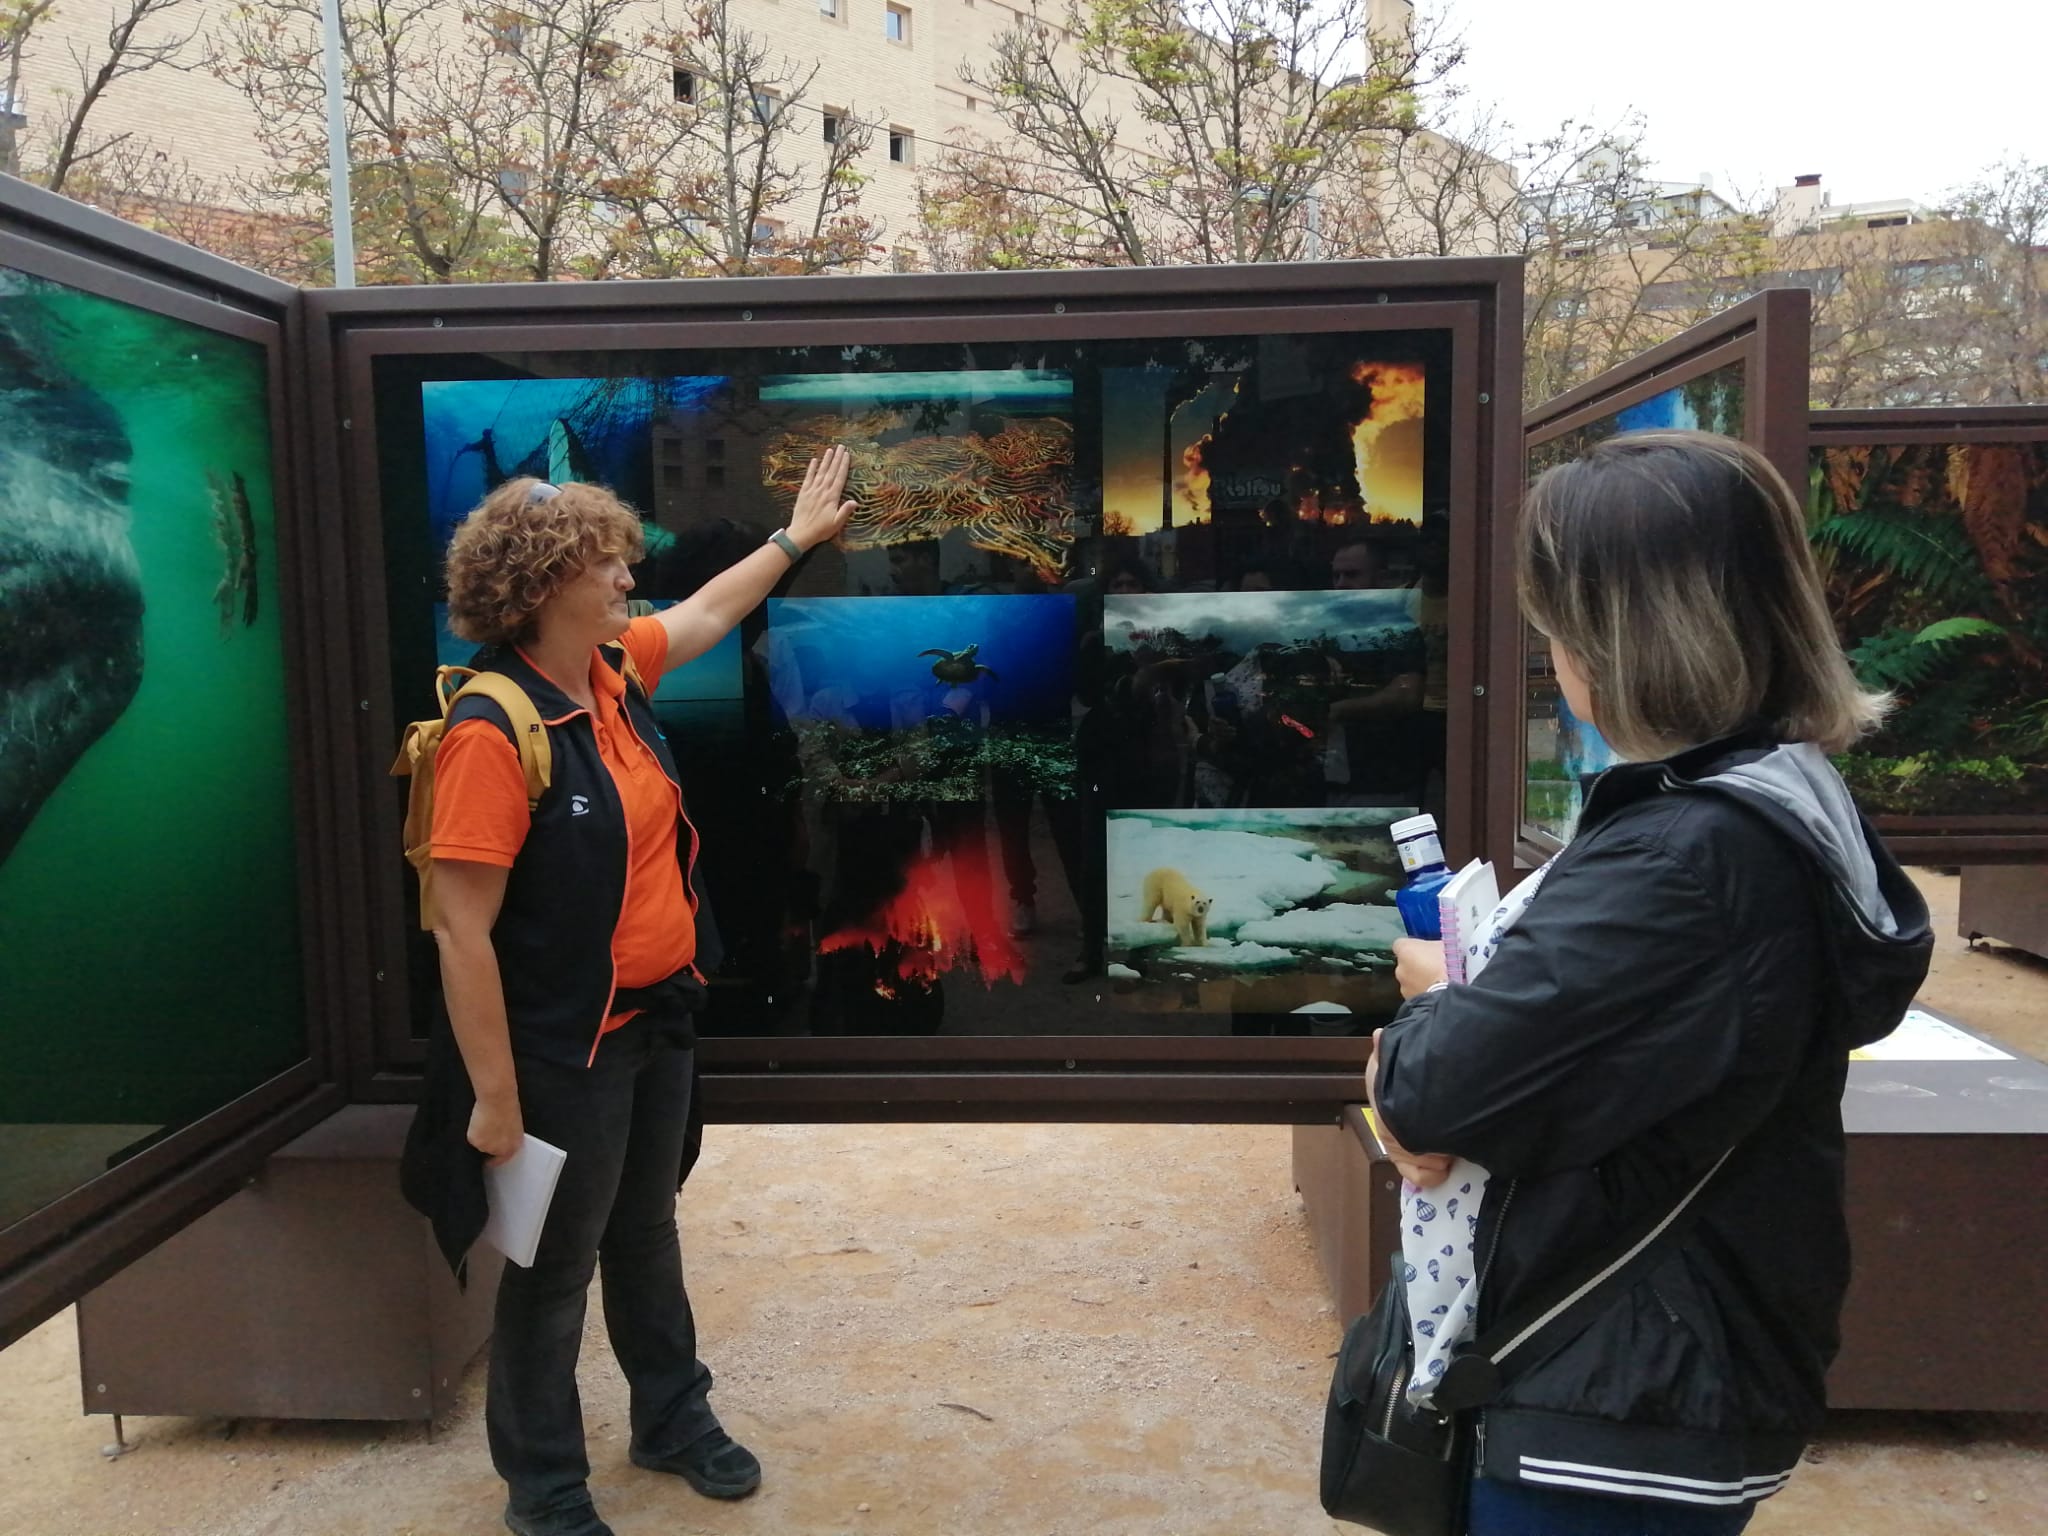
{"points": [[621, 1121]]}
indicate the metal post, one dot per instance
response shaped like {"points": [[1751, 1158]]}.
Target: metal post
{"points": [[337, 148]]}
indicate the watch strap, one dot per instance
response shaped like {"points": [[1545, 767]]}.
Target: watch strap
{"points": [[781, 540]]}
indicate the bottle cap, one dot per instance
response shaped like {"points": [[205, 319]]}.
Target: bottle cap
{"points": [[1413, 826]]}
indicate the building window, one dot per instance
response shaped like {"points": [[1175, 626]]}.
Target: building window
{"points": [[602, 60], [766, 233], [512, 182], [903, 259], [828, 8], [765, 107], [902, 146], [685, 85], [896, 23], [831, 126]]}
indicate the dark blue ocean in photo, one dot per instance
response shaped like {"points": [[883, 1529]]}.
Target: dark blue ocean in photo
{"points": [[859, 661], [481, 432]]}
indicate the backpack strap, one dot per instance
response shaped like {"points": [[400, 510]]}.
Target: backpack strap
{"points": [[630, 671], [529, 731]]}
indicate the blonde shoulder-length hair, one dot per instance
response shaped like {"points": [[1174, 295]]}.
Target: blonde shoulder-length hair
{"points": [[1674, 568]]}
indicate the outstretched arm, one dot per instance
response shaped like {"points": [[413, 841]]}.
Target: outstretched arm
{"points": [[705, 618]]}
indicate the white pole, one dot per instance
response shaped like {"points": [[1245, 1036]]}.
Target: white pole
{"points": [[337, 148], [1315, 225]]}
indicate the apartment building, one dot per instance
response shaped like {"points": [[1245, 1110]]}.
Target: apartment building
{"points": [[896, 62]]}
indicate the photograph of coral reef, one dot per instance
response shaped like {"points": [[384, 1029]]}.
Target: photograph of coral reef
{"points": [[983, 457], [1254, 911], [1936, 561]]}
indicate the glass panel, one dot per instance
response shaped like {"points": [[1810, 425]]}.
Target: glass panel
{"points": [[149, 959], [1109, 613], [1559, 750], [1936, 560]]}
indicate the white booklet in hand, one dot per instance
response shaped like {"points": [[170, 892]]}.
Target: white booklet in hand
{"points": [[1465, 906], [519, 1191]]}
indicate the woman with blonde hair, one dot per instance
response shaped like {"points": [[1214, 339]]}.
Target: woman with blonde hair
{"points": [[1688, 979], [567, 939]]}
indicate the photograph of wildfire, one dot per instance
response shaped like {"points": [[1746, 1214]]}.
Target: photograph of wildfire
{"points": [[1337, 443], [988, 454]]}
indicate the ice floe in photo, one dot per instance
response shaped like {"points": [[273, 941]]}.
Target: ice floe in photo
{"points": [[1286, 890]]}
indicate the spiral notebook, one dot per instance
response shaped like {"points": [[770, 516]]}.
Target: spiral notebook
{"points": [[1465, 904]]}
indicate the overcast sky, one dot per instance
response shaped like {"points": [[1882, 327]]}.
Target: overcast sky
{"points": [[1882, 98]]}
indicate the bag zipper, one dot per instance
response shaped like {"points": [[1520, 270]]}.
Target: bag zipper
{"points": [[1393, 1397], [1493, 1249]]}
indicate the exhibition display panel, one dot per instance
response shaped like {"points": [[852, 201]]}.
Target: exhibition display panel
{"points": [[163, 953], [1061, 782]]}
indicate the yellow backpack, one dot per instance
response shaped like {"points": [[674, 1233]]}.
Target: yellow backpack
{"points": [[422, 742]]}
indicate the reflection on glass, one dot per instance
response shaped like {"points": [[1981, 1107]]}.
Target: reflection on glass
{"points": [[1084, 578], [1558, 749], [149, 959], [1936, 560]]}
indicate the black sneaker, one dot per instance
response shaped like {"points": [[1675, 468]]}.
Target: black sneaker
{"points": [[716, 1465], [579, 1521]]}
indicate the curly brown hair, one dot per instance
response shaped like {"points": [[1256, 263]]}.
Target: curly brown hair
{"points": [[512, 553]]}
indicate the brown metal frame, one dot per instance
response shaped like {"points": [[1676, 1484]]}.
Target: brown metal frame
{"points": [[1770, 334], [65, 1247], [1477, 301], [1934, 839]]}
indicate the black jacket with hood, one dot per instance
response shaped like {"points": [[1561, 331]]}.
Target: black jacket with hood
{"points": [[1692, 974]]}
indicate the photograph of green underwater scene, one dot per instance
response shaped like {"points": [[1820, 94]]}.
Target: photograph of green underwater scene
{"points": [[1088, 587], [148, 875]]}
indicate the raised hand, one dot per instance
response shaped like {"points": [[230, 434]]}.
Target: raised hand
{"points": [[820, 513]]}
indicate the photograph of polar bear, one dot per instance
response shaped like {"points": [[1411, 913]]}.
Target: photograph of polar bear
{"points": [[1253, 910]]}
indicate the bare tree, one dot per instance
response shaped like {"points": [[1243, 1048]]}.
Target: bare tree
{"points": [[1240, 108], [742, 196], [1988, 282], [141, 35], [416, 219]]}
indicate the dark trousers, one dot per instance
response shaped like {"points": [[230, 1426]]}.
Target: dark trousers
{"points": [[1520, 1509], [621, 1121]]}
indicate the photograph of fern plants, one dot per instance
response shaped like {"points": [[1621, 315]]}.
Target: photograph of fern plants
{"points": [[1936, 562]]}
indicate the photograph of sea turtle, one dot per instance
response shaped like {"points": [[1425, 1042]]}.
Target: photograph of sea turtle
{"points": [[960, 666], [880, 712]]}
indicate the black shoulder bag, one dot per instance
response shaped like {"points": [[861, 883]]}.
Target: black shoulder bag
{"points": [[1404, 1470]]}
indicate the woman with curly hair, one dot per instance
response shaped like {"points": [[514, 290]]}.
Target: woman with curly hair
{"points": [[566, 934]]}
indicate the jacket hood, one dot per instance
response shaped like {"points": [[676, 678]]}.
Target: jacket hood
{"points": [[1876, 920]]}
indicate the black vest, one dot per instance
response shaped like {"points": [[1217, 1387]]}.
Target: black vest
{"points": [[566, 889]]}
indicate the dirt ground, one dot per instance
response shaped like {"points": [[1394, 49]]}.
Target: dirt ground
{"points": [[969, 1329]]}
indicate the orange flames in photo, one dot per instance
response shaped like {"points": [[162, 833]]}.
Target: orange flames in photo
{"points": [[1397, 392], [945, 916]]}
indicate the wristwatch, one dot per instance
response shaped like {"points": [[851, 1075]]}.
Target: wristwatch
{"points": [[781, 540]]}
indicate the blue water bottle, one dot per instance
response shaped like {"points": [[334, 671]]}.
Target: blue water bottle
{"points": [[1422, 856]]}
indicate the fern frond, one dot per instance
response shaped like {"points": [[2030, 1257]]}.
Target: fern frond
{"points": [[1933, 554]]}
